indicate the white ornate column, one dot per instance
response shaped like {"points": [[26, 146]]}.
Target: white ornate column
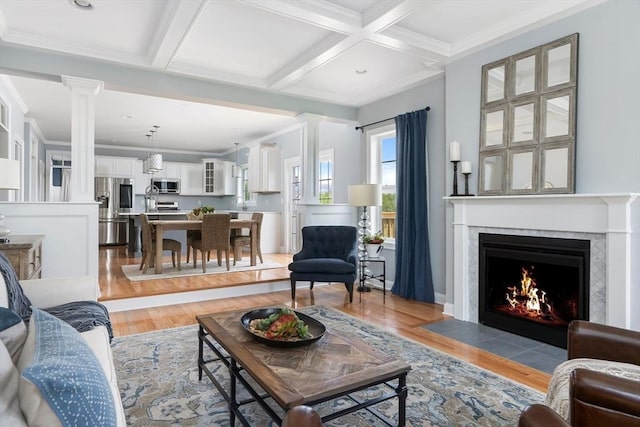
{"points": [[83, 93], [310, 157]]}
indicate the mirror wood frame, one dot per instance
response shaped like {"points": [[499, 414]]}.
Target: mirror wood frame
{"points": [[553, 106]]}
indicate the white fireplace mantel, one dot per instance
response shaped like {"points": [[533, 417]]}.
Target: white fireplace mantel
{"points": [[608, 215]]}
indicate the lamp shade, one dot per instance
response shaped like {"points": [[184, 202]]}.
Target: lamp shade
{"points": [[365, 195], [155, 162], [9, 174]]}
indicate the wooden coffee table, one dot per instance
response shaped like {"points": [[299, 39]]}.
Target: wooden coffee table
{"points": [[335, 366]]}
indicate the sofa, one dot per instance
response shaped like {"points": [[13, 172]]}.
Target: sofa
{"points": [[50, 374], [599, 384]]}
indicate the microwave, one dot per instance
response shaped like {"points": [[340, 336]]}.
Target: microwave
{"points": [[167, 185]]}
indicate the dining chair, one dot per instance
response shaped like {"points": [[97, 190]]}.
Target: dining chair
{"points": [[215, 235], [149, 246], [241, 240], [191, 236]]}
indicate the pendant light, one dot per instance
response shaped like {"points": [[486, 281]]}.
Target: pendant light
{"points": [[155, 159]]}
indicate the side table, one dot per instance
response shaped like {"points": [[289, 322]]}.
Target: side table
{"points": [[379, 277], [25, 254]]}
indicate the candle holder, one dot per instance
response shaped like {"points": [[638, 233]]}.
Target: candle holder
{"points": [[466, 184], [455, 177]]}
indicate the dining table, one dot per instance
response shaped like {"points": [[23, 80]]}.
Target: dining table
{"points": [[162, 225]]}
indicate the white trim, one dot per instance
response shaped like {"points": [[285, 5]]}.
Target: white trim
{"points": [[197, 296], [288, 207]]}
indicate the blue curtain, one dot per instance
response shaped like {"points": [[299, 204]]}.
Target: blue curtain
{"points": [[413, 259]]}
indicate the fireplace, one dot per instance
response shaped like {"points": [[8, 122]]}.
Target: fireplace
{"points": [[533, 286]]}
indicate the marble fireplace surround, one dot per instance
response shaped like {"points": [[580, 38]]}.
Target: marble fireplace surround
{"points": [[604, 219]]}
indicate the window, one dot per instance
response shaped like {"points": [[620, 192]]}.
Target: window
{"points": [[248, 198], [56, 171], [326, 177], [382, 170]]}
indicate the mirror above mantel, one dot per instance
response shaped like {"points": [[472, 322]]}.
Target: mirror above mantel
{"points": [[528, 121]]}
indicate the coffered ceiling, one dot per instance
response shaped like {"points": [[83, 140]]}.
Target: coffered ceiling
{"points": [[347, 52]]}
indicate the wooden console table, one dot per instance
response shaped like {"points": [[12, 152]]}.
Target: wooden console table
{"points": [[25, 254]]}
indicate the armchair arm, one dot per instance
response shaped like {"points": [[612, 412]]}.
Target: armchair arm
{"points": [[596, 341], [45, 293], [605, 400], [301, 416], [539, 415]]}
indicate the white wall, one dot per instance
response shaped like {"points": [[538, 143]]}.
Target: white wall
{"points": [[70, 245], [607, 141], [346, 144]]}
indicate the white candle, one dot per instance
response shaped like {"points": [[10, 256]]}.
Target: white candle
{"points": [[454, 151], [466, 166]]}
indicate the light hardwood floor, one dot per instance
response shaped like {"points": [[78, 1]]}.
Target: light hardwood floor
{"points": [[401, 316]]}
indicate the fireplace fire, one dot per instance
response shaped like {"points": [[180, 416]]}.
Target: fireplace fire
{"points": [[533, 286]]}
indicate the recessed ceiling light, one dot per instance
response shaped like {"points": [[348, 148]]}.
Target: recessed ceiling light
{"points": [[126, 116], [82, 4], [361, 71]]}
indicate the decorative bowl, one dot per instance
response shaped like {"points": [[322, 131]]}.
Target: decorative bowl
{"points": [[316, 329]]}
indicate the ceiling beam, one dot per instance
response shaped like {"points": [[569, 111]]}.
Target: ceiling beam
{"points": [[180, 19], [379, 17], [319, 14]]}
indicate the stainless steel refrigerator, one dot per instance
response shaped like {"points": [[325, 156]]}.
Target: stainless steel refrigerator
{"points": [[115, 196]]}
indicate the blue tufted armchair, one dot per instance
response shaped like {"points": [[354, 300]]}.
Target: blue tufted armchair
{"points": [[328, 254]]}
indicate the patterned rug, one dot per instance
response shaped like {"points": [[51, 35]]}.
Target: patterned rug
{"points": [[134, 274], [158, 379]]}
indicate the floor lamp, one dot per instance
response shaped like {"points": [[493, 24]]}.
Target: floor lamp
{"points": [[9, 180], [363, 196]]}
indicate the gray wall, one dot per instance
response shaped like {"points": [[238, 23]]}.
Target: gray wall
{"points": [[607, 145], [430, 94], [346, 144]]}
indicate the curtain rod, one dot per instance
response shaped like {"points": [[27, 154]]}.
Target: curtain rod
{"points": [[361, 128]]}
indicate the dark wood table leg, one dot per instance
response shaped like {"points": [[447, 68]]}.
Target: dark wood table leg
{"points": [[200, 352], [402, 400], [233, 403]]}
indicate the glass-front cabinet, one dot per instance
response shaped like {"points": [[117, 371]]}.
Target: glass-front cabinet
{"points": [[217, 179]]}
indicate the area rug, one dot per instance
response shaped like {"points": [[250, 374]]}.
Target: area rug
{"points": [[134, 274], [158, 378]]}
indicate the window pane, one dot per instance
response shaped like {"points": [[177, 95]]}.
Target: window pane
{"points": [[388, 181], [57, 177], [326, 182]]}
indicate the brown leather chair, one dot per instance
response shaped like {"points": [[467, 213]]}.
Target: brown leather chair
{"points": [[596, 398], [215, 235], [301, 416], [149, 246], [240, 240]]}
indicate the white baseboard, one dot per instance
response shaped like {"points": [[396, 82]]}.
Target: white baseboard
{"points": [[196, 296], [448, 309]]}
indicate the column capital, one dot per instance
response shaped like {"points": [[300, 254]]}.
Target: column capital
{"points": [[85, 85]]}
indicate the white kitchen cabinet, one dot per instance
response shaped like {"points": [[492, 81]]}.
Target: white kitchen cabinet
{"points": [[217, 179], [117, 167], [265, 169], [140, 180], [191, 179]]}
